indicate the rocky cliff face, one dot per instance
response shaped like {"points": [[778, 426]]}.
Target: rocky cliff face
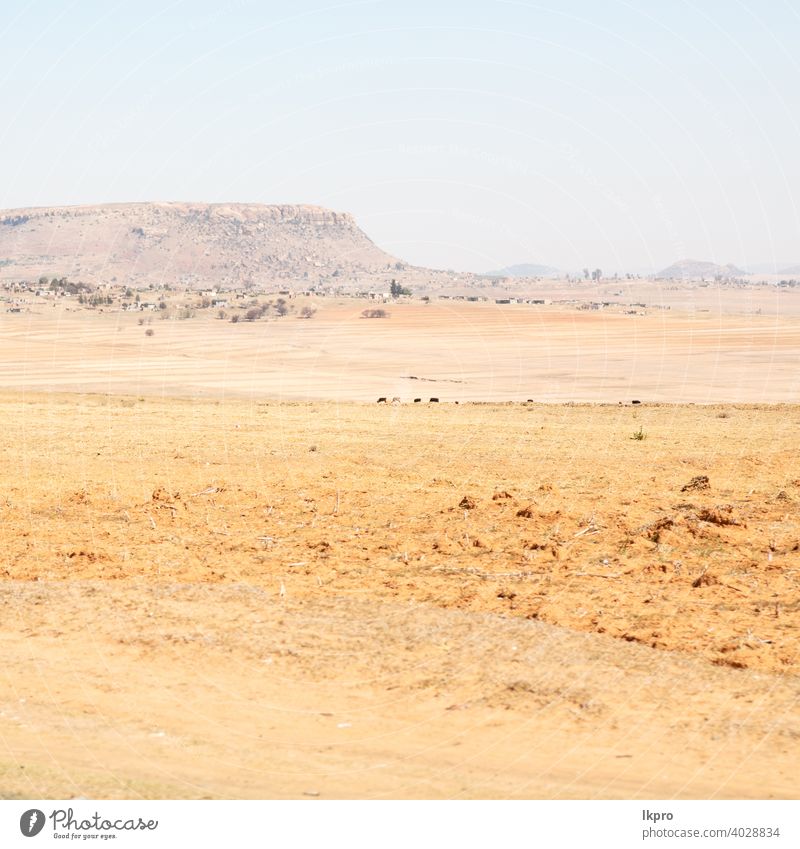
{"points": [[187, 244]]}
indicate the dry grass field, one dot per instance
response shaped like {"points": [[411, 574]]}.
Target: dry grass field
{"points": [[247, 598]]}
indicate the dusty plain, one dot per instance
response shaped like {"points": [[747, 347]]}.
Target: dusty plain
{"points": [[272, 589], [456, 351]]}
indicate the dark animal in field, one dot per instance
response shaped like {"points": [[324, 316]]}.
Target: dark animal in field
{"points": [[434, 401], [381, 400]]}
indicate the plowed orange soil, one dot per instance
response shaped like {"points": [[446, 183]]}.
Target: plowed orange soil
{"points": [[329, 538]]}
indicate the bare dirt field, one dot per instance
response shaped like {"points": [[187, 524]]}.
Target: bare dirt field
{"points": [[245, 598], [452, 350]]}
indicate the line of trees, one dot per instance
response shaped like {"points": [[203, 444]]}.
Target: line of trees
{"points": [[397, 290], [61, 283]]}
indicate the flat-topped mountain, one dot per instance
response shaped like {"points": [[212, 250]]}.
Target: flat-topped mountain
{"points": [[692, 269], [187, 244]]}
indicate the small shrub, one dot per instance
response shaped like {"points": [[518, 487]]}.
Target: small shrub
{"points": [[149, 332], [639, 435]]}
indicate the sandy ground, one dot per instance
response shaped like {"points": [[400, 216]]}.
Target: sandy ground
{"points": [[261, 599], [455, 351]]}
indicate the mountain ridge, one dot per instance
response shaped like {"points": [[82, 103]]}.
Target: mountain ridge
{"points": [[695, 269], [523, 269]]}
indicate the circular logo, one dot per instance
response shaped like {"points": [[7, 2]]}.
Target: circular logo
{"points": [[31, 822]]}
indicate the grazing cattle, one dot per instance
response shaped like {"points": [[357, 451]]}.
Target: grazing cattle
{"points": [[636, 402], [381, 400], [434, 401], [395, 400], [417, 400], [529, 401]]}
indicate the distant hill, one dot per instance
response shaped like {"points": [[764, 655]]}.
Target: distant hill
{"points": [[792, 269], [187, 244], [525, 269], [692, 269]]}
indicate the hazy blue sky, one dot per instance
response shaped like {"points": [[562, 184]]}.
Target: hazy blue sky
{"points": [[465, 135]]}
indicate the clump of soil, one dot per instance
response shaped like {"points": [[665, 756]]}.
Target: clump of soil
{"points": [[717, 516], [696, 483], [653, 530], [705, 580], [467, 503], [160, 494]]}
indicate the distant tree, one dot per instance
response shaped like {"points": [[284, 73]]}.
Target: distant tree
{"points": [[374, 314], [235, 318], [252, 314], [222, 314], [308, 312], [281, 307], [597, 274], [162, 305], [397, 290]]}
